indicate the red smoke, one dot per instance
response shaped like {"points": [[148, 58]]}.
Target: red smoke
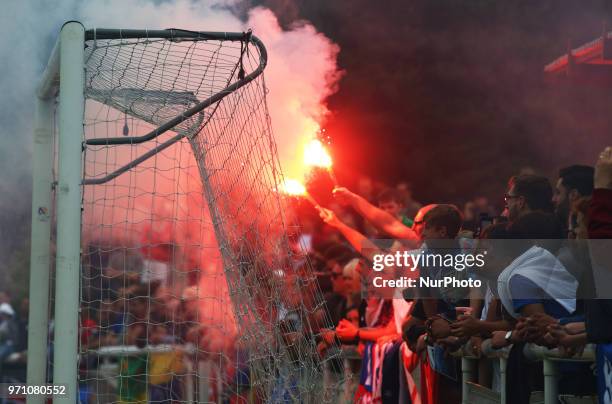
{"points": [[158, 207]]}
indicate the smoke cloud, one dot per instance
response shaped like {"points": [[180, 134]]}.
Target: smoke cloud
{"points": [[451, 95], [301, 74], [25, 27]]}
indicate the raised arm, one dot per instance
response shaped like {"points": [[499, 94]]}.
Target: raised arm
{"points": [[360, 243], [600, 210], [382, 220]]}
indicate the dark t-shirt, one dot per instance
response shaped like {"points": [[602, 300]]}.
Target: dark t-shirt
{"points": [[448, 297], [598, 325], [336, 306], [599, 312]]}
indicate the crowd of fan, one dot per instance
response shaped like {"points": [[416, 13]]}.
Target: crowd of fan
{"points": [[536, 289], [533, 293], [130, 302], [120, 309]]}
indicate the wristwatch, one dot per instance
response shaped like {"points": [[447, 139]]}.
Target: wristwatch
{"points": [[508, 337]]}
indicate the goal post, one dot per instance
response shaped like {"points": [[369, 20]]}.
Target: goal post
{"points": [[65, 66], [40, 238], [156, 200], [40, 254], [68, 188]]}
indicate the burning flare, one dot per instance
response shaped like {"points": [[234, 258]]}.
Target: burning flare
{"points": [[293, 187], [296, 188], [316, 155]]}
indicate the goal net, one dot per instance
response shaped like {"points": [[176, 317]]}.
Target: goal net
{"points": [[190, 290]]}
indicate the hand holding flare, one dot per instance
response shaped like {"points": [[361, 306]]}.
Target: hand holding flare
{"points": [[329, 217], [295, 188]]}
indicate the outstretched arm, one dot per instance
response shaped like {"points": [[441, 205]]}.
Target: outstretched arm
{"points": [[359, 242], [382, 220]]}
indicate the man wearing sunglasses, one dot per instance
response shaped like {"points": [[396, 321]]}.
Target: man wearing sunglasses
{"points": [[527, 193]]}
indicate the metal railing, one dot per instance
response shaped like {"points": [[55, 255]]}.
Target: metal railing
{"points": [[196, 377], [473, 393], [198, 371]]}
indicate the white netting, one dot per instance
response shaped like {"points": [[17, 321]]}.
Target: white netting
{"points": [[190, 290]]}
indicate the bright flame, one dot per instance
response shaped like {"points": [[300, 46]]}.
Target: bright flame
{"points": [[316, 155], [293, 187]]}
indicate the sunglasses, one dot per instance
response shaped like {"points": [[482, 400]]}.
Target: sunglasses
{"points": [[508, 196]]}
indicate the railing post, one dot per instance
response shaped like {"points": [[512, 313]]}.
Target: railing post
{"points": [[189, 383], [468, 374], [551, 388], [203, 376], [219, 369], [503, 364]]}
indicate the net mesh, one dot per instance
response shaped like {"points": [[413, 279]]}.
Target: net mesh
{"points": [[190, 289]]}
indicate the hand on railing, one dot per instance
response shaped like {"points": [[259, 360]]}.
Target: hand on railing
{"points": [[328, 337], [499, 339], [488, 351], [475, 345], [451, 343], [347, 331], [438, 327], [465, 326], [570, 345], [535, 328]]}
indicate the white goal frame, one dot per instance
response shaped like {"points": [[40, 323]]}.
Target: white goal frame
{"points": [[65, 71], [65, 75]]}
